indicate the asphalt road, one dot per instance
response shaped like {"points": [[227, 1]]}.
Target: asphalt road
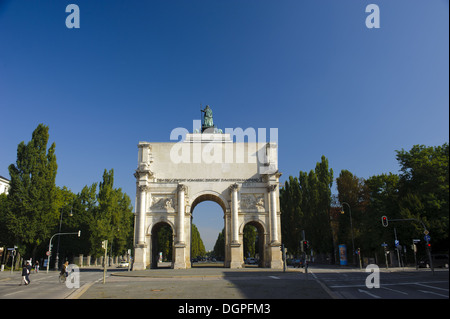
{"points": [[396, 283], [208, 283], [44, 285], [321, 282]]}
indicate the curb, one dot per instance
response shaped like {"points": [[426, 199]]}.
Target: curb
{"points": [[79, 292]]}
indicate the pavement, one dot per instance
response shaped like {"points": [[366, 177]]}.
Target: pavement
{"points": [[208, 283]]}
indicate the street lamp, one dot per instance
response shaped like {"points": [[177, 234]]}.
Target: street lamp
{"points": [[49, 252], [57, 248], [351, 229]]}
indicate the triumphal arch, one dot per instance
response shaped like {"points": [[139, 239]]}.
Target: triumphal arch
{"points": [[238, 169]]}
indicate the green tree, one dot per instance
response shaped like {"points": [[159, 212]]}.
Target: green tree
{"points": [[219, 246], [305, 203], [352, 191], [250, 236], [383, 200], [112, 217], [424, 189], [32, 212], [197, 246], [165, 241], [292, 215]]}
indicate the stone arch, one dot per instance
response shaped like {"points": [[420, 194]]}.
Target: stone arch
{"points": [[161, 220], [152, 232], [262, 238], [254, 221], [209, 196]]}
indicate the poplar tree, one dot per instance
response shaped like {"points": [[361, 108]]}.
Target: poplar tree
{"points": [[32, 212]]}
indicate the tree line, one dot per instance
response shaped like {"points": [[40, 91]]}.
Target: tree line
{"points": [[35, 208], [420, 191]]}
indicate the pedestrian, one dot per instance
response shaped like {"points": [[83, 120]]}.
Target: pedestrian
{"points": [[25, 272], [36, 266]]}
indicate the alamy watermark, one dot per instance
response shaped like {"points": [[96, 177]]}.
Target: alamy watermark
{"points": [[235, 145], [373, 280], [73, 278]]}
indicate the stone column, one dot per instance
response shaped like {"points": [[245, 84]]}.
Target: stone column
{"points": [[140, 248], [273, 213], [236, 258], [181, 257], [234, 213], [181, 211], [276, 261], [142, 213]]}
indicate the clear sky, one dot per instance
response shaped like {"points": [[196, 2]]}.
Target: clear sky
{"points": [[135, 70]]}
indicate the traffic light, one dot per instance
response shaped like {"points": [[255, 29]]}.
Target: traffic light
{"points": [[384, 221], [306, 244]]}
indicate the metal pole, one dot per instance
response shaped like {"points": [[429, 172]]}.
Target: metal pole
{"points": [[396, 248], [415, 255], [13, 252], [50, 245], [104, 262], [351, 231], [385, 256], [50, 251], [57, 247]]}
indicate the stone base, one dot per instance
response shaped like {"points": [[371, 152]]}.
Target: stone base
{"points": [[236, 256], [180, 256], [276, 260], [140, 257]]}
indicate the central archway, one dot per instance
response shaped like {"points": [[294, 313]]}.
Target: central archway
{"points": [[216, 203]]}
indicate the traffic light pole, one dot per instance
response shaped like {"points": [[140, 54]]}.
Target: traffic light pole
{"points": [[426, 232]]}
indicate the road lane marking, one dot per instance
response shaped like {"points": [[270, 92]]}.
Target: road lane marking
{"points": [[398, 291], [433, 293], [13, 293], [431, 287], [394, 284], [274, 277], [370, 294]]}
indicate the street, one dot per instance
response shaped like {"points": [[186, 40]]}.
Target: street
{"points": [[395, 283], [321, 282], [43, 285]]}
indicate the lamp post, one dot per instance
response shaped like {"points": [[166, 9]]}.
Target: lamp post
{"points": [[57, 248], [50, 245], [351, 229]]}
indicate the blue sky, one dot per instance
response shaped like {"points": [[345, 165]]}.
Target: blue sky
{"points": [[135, 70]]}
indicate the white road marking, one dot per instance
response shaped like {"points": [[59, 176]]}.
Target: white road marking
{"points": [[370, 294]]}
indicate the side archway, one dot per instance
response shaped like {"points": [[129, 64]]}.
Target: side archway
{"points": [[260, 241], [161, 244]]}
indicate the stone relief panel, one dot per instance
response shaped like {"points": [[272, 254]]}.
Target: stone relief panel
{"points": [[163, 203], [252, 202]]}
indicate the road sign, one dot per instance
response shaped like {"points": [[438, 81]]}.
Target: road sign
{"points": [[396, 243], [427, 238], [426, 232], [384, 245], [48, 253]]}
